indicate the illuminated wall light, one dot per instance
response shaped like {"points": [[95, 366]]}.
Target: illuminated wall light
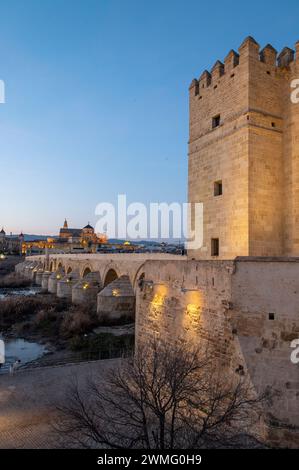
{"points": [[85, 286], [193, 309], [158, 300], [115, 293]]}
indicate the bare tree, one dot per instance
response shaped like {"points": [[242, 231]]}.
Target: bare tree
{"points": [[166, 398]]}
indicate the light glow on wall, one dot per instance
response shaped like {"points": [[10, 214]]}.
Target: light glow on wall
{"points": [[193, 310], [160, 295], [158, 300]]}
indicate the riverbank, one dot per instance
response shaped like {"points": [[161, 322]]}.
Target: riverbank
{"points": [[8, 263], [63, 329], [45, 319], [9, 279]]}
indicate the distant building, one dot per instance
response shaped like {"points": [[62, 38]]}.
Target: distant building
{"points": [[70, 240], [67, 233], [11, 244], [85, 236]]}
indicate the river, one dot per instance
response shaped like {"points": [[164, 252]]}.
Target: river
{"points": [[18, 348], [21, 292]]}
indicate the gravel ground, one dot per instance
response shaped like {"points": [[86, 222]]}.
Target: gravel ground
{"points": [[27, 403]]}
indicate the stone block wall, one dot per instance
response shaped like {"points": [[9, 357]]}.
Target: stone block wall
{"points": [[246, 312], [186, 302], [265, 318], [253, 152]]}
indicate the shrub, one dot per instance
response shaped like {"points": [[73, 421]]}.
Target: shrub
{"points": [[77, 320], [14, 281], [101, 343], [48, 321], [17, 309], [123, 320], [8, 264], [78, 343]]}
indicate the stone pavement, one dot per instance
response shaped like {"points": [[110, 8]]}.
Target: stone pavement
{"points": [[28, 399]]}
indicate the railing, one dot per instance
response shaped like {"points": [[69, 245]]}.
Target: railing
{"points": [[71, 358], [4, 369]]}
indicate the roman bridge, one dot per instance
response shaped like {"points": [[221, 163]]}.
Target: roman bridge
{"points": [[108, 281]]}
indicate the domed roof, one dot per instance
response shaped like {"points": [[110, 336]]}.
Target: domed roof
{"points": [[2, 231]]}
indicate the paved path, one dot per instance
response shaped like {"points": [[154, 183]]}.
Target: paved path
{"points": [[27, 403]]}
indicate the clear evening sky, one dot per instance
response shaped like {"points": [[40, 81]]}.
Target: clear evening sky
{"points": [[97, 97]]}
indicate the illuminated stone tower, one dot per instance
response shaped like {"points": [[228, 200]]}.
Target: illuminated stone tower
{"points": [[244, 154]]}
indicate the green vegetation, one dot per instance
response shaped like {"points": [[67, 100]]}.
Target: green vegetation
{"points": [[66, 325], [102, 342]]}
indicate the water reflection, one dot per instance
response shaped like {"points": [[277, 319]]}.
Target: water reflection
{"points": [[25, 292], [20, 349]]}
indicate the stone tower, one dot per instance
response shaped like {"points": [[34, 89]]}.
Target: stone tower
{"points": [[244, 154]]}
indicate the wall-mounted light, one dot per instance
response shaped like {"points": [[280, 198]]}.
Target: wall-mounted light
{"points": [[184, 290], [149, 284]]}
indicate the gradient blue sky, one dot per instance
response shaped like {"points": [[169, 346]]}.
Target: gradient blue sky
{"points": [[97, 97]]}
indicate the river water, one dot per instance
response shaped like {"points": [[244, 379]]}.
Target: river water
{"points": [[18, 348], [24, 292]]}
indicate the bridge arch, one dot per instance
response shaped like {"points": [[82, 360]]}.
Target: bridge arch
{"points": [[110, 276], [60, 267], [85, 271], [139, 276]]}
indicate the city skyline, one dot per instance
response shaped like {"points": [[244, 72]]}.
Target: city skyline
{"points": [[89, 116]]}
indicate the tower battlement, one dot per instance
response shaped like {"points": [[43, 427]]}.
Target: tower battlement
{"points": [[244, 139], [249, 49]]}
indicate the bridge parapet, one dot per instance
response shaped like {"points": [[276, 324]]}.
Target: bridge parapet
{"points": [[124, 264]]}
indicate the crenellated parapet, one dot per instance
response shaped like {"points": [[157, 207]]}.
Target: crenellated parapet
{"points": [[249, 50]]}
